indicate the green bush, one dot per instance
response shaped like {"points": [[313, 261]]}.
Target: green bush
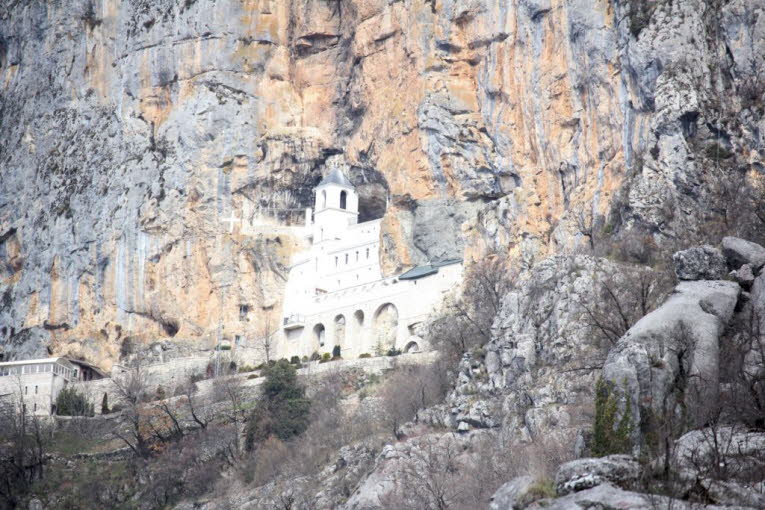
{"points": [[295, 360], [247, 368], [325, 357], [315, 356], [283, 409], [608, 437], [304, 359], [393, 352], [71, 402], [364, 355]]}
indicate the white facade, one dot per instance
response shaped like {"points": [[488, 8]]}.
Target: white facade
{"points": [[36, 383], [336, 294]]}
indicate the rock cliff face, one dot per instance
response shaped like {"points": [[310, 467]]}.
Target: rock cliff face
{"points": [[132, 130]]}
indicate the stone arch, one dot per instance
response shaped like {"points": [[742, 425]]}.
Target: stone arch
{"points": [[340, 330], [343, 199], [412, 346], [319, 334], [385, 324]]}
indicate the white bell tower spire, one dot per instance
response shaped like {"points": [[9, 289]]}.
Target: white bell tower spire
{"points": [[336, 206]]}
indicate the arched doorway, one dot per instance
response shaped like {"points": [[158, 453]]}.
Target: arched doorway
{"points": [[340, 331], [385, 326], [343, 199], [319, 334], [412, 346]]}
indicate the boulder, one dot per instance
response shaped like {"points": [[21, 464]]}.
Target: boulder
{"points": [[743, 275], [513, 495], [581, 474], [742, 451], [678, 339], [739, 252], [700, 263], [607, 496]]}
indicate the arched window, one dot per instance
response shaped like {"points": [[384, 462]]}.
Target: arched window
{"points": [[357, 256], [335, 261], [343, 199], [323, 199], [346, 258], [367, 252]]}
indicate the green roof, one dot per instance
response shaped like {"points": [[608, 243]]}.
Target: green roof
{"points": [[418, 272], [427, 270]]}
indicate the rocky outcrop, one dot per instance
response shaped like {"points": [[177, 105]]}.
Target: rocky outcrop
{"points": [[536, 375], [700, 263], [611, 497], [669, 360], [513, 495], [740, 252], [581, 474]]}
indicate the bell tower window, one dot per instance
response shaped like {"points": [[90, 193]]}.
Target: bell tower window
{"points": [[343, 199]]}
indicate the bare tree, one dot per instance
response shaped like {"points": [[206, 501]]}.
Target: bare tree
{"points": [[267, 339], [584, 221], [427, 478], [467, 319], [230, 390], [24, 441], [132, 389], [622, 298]]}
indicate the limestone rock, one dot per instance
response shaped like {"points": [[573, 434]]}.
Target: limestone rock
{"points": [[610, 497], [741, 450], [740, 252], [620, 470], [513, 494], [700, 263], [680, 337], [743, 275]]}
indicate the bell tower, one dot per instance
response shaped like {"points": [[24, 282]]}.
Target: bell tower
{"points": [[336, 206]]}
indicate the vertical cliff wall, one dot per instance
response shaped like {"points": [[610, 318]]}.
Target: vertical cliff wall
{"points": [[132, 132]]}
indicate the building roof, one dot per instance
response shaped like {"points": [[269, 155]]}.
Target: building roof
{"points": [[30, 361], [336, 176], [52, 360], [418, 272], [427, 269], [88, 365]]}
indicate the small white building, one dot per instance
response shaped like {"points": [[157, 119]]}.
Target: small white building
{"points": [[336, 294], [36, 383]]}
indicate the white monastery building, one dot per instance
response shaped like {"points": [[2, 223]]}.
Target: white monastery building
{"points": [[336, 294], [36, 383]]}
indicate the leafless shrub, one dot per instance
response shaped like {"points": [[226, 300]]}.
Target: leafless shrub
{"points": [[467, 320], [410, 389], [24, 443], [622, 298]]}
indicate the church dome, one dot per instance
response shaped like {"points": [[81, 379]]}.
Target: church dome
{"points": [[336, 176]]}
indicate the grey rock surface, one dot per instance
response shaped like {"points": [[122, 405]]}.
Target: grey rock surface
{"points": [[607, 496], [512, 495], [740, 252], [700, 263], [620, 470], [743, 275], [680, 337]]}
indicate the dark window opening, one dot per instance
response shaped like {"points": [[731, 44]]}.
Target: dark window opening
{"points": [[343, 199]]}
